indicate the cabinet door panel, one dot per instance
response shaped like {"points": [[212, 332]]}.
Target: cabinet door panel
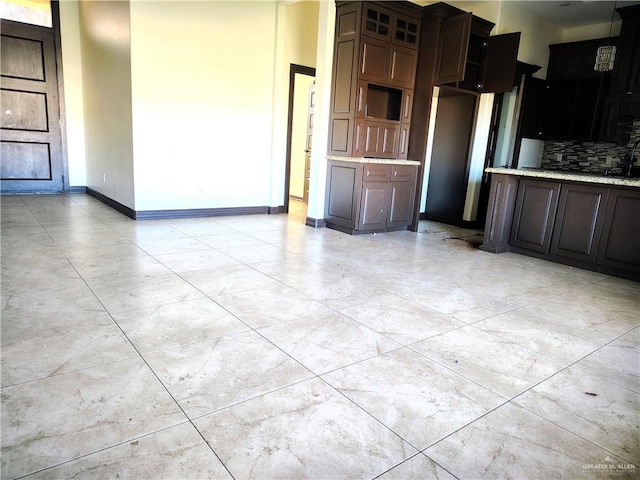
{"points": [[402, 69], [403, 141], [374, 64], [499, 64], [536, 206], [377, 22], [373, 209], [401, 206], [620, 241], [341, 193], [452, 55], [406, 31], [579, 221]]}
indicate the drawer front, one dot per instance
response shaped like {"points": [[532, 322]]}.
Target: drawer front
{"points": [[376, 173], [403, 173]]}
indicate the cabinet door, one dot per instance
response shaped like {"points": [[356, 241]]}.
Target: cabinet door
{"points": [[620, 241], [452, 54], [401, 204], [533, 94], [374, 60], [373, 207], [403, 141], [535, 212], [499, 63], [406, 31], [376, 139], [402, 67], [343, 182], [579, 221], [377, 22], [407, 106]]}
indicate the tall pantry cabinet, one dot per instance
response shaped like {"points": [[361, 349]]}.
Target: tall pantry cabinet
{"points": [[375, 59]]}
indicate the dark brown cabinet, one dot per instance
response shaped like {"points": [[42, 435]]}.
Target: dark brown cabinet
{"points": [[574, 92], [472, 60], [579, 221], [620, 241], [375, 61], [369, 197], [534, 215], [588, 225], [622, 104]]}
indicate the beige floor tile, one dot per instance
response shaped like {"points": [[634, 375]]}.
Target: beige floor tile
{"points": [[418, 399], [63, 417], [207, 376], [418, 467], [303, 431]]}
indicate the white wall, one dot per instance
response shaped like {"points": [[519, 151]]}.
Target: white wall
{"points": [[106, 80], [202, 83]]}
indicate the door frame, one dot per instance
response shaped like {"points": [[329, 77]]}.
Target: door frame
{"points": [[57, 43], [293, 69]]}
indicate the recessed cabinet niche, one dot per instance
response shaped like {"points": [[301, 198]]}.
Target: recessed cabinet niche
{"points": [[375, 60]]}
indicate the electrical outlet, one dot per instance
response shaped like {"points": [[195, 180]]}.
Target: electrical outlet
{"points": [[558, 157]]}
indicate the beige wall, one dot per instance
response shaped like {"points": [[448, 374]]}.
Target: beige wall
{"points": [[202, 83], [106, 80], [73, 92]]}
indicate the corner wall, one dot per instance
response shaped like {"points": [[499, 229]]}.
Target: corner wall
{"points": [[106, 82]]}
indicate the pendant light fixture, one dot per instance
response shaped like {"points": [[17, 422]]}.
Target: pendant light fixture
{"points": [[606, 54]]}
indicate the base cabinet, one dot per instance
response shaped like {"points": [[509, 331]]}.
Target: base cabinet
{"points": [[366, 198], [592, 226]]}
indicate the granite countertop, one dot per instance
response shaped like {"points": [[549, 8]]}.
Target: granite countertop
{"points": [[388, 161], [571, 176]]}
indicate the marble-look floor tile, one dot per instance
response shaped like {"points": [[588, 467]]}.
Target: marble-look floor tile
{"points": [[229, 239], [304, 431], [159, 246], [135, 264], [119, 294], [418, 467], [511, 442], [327, 341], [267, 306], [233, 279], [167, 326], [32, 352], [251, 254], [460, 302], [618, 362], [537, 331], [207, 376], [72, 301], [193, 261], [175, 453], [500, 365], [418, 399], [595, 409], [404, 321], [103, 406]]}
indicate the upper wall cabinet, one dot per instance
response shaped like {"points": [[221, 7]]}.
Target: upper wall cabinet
{"points": [[374, 68], [622, 105], [470, 59]]}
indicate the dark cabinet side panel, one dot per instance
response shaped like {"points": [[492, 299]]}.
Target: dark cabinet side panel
{"points": [[342, 199], [534, 215]]}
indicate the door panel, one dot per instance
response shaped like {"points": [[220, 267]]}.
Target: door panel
{"points": [[373, 213], [499, 64], [30, 123], [452, 54]]}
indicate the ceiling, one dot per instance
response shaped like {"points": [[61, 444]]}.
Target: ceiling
{"points": [[563, 13]]}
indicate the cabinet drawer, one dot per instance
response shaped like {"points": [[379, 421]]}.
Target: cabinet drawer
{"points": [[403, 173], [376, 173]]}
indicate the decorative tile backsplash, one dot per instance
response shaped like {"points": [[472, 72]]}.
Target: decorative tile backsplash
{"points": [[588, 157]]}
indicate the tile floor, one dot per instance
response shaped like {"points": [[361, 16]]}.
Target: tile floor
{"points": [[257, 347]]}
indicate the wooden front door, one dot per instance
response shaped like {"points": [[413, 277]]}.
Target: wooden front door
{"points": [[31, 147], [307, 152]]}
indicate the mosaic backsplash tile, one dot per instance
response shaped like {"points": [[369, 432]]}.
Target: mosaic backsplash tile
{"points": [[588, 157]]}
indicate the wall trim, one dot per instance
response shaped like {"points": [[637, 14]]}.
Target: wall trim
{"points": [[198, 213], [277, 210], [111, 202], [315, 222]]}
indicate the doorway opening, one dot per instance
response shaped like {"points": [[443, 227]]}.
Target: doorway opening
{"points": [[299, 135], [449, 170]]}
